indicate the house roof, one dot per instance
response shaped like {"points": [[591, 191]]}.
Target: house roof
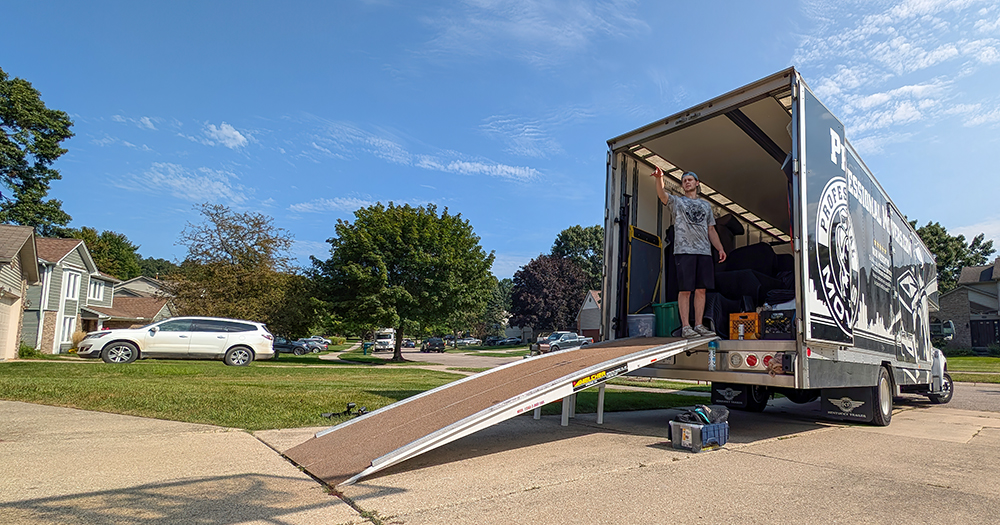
{"points": [[132, 307], [107, 277], [978, 274], [20, 241], [54, 250]]}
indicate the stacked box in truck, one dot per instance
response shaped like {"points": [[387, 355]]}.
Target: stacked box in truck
{"points": [[810, 233]]}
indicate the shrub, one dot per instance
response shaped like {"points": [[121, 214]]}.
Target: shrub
{"points": [[335, 340], [77, 337], [28, 352], [958, 352], [994, 350]]}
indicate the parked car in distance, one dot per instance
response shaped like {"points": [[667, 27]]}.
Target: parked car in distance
{"points": [[318, 339], [313, 345], [409, 343], [235, 341], [563, 340], [492, 340], [468, 341], [510, 341], [433, 344], [287, 346]]}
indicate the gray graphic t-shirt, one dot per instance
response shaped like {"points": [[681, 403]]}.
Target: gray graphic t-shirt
{"points": [[692, 217]]}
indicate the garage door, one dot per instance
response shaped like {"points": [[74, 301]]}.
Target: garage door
{"points": [[8, 346]]}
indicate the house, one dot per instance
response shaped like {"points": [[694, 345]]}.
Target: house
{"points": [[142, 286], [128, 312], [588, 320], [69, 282], [18, 270], [973, 306]]}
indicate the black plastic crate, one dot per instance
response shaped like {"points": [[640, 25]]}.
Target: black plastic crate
{"points": [[778, 324]]}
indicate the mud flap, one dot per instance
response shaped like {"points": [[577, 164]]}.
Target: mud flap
{"points": [[731, 395], [848, 404]]}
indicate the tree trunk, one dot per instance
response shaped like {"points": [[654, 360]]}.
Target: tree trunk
{"points": [[397, 349]]}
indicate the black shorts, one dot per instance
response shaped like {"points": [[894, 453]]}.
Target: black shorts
{"points": [[694, 272]]}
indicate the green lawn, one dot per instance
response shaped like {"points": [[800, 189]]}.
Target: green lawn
{"points": [[973, 364], [253, 398]]}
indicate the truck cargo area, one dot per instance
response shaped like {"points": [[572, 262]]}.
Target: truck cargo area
{"points": [[826, 289]]}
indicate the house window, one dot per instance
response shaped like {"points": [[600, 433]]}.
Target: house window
{"points": [[72, 285], [68, 327], [96, 290]]}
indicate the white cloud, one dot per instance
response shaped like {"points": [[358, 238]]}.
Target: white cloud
{"points": [[990, 228], [539, 32], [883, 67], [341, 140], [225, 134], [507, 264], [108, 140], [142, 122], [303, 249], [344, 204], [979, 119], [193, 185]]}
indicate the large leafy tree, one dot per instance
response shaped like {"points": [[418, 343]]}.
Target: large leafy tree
{"points": [[238, 266], [547, 293], [156, 268], [585, 246], [113, 253], [400, 264], [30, 137], [952, 252]]}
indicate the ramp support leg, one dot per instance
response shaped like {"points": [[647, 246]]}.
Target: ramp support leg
{"points": [[600, 404], [537, 414], [572, 406], [566, 408]]}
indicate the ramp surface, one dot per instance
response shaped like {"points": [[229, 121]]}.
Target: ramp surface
{"points": [[420, 423]]}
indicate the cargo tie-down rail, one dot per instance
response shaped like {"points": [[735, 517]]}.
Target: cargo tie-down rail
{"points": [[395, 433]]}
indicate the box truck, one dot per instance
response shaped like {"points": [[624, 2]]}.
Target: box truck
{"points": [[826, 290]]}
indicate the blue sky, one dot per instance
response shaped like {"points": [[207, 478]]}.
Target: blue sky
{"points": [[500, 111]]}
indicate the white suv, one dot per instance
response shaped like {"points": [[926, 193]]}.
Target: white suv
{"points": [[236, 342]]}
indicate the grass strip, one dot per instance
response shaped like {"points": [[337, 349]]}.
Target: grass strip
{"points": [[965, 377], [973, 364], [253, 398]]}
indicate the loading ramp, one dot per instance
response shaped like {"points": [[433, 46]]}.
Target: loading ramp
{"points": [[394, 433]]}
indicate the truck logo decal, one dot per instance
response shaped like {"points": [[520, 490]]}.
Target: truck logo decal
{"points": [[846, 404], [837, 254], [728, 393]]}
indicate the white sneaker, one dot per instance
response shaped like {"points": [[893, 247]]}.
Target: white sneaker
{"points": [[704, 331], [688, 333]]}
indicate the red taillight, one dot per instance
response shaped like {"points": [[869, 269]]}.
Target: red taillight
{"points": [[268, 337], [767, 359], [751, 360], [809, 352]]}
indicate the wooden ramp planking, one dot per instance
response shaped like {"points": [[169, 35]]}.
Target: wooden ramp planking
{"points": [[346, 450]]}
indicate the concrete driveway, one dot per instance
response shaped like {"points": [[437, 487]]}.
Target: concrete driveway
{"points": [[933, 463]]}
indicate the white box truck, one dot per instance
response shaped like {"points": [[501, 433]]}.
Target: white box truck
{"points": [[833, 286]]}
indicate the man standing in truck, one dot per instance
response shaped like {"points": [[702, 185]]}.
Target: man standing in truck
{"points": [[694, 237]]}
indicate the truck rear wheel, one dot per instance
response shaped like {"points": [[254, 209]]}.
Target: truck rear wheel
{"points": [[757, 398], [882, 395]]}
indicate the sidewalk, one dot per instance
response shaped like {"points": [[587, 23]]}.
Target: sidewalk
{"points": [[60, 465]]}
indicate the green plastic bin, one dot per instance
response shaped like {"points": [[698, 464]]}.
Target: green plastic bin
{"points": [[667, 318]]}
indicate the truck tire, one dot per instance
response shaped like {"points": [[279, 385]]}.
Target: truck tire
{"points": [[882, 396], [757, 398], [947, 390]]}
